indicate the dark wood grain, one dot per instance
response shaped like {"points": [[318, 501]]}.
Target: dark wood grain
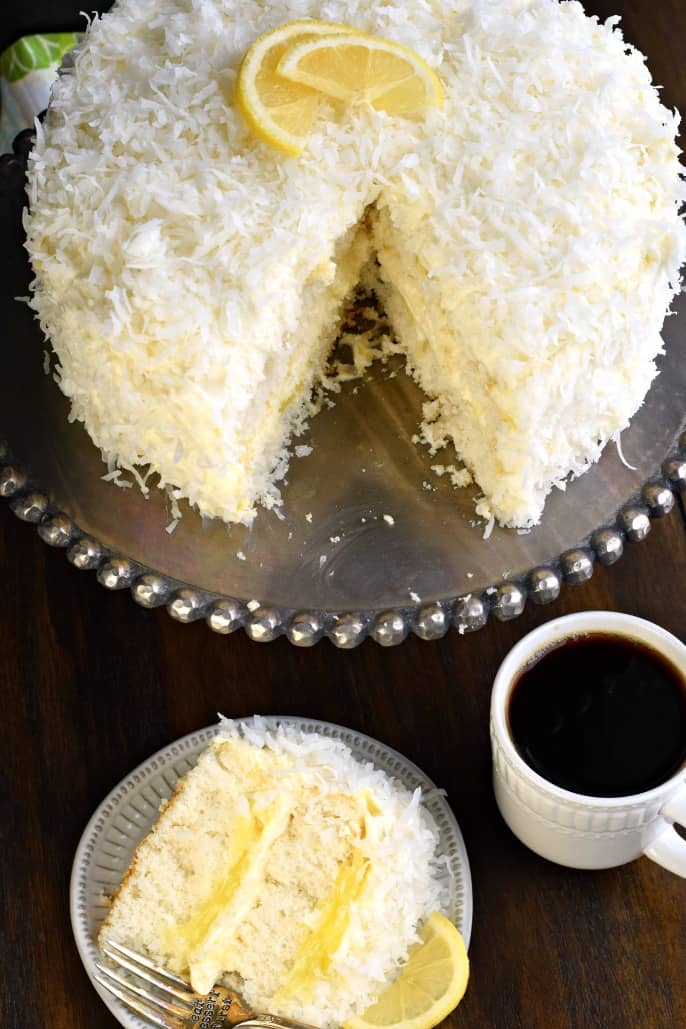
{"points": [[91, 685]]}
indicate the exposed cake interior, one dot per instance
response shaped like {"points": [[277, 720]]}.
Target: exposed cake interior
{"points": [[281, 404], [288, 870]]}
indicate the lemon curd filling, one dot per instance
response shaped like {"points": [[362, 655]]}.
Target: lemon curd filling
{"points": [[315, 954], [205, 941], [184, 938]]}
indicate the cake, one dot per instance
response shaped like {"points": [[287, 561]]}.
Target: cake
{"points": [[287, 869], [525, 240]]}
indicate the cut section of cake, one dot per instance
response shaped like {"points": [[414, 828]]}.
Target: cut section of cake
{"points": [[190, 277], [286, 869]]}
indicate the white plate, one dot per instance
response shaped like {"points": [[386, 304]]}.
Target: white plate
{"points": [[129, 811]]}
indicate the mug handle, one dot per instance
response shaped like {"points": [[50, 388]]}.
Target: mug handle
{"points": [[669, 849]]}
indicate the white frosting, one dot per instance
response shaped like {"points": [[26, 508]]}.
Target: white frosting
{"points": [[186, 273]]}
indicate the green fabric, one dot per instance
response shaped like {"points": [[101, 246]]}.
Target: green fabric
{"points": [[32, 53]]}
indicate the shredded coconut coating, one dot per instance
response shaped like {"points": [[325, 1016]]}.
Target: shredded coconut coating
{"points": [[189, 277]]}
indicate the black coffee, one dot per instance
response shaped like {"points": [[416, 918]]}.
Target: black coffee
{"points": [[601, 715]]}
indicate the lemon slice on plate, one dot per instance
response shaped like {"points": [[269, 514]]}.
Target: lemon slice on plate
{"points": [[278, 110], [353, 66], [430, 985]]}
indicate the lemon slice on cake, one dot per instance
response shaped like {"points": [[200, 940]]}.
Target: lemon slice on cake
{"points": [[354, 66], [288, 71], [430, 985], [280, 111]]}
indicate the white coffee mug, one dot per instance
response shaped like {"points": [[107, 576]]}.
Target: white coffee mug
{"points": [[569, 828]]}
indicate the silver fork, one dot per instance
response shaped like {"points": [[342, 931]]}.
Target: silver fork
{"points": [[163, 999]]}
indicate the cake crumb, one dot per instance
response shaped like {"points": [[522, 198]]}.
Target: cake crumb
{"points": [[459, 477], [303, 451], [415, 596], [389, 519], [252, 605], [308, 517], [334, 539], [240, 555], [322, 560]]}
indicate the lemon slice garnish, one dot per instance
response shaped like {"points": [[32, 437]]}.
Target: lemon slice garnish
{"points": [[278, 110], [430, 985], [354, 66], [286, 72]]}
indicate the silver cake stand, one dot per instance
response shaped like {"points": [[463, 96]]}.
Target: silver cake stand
{"points": [[371, 541]]}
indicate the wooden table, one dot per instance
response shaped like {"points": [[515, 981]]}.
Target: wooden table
{"points": [[92, 685]]}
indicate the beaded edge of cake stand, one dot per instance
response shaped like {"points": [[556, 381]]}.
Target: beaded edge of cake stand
{"points": [[346, 629]]}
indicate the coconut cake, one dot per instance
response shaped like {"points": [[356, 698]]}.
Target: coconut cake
{"points": [[287, 869], [526, 239]]}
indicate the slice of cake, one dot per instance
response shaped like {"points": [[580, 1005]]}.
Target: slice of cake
{"points": [[190, 277], [286, 869]]}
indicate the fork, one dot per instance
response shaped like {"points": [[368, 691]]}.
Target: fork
{"points": [[165, 1000]]}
